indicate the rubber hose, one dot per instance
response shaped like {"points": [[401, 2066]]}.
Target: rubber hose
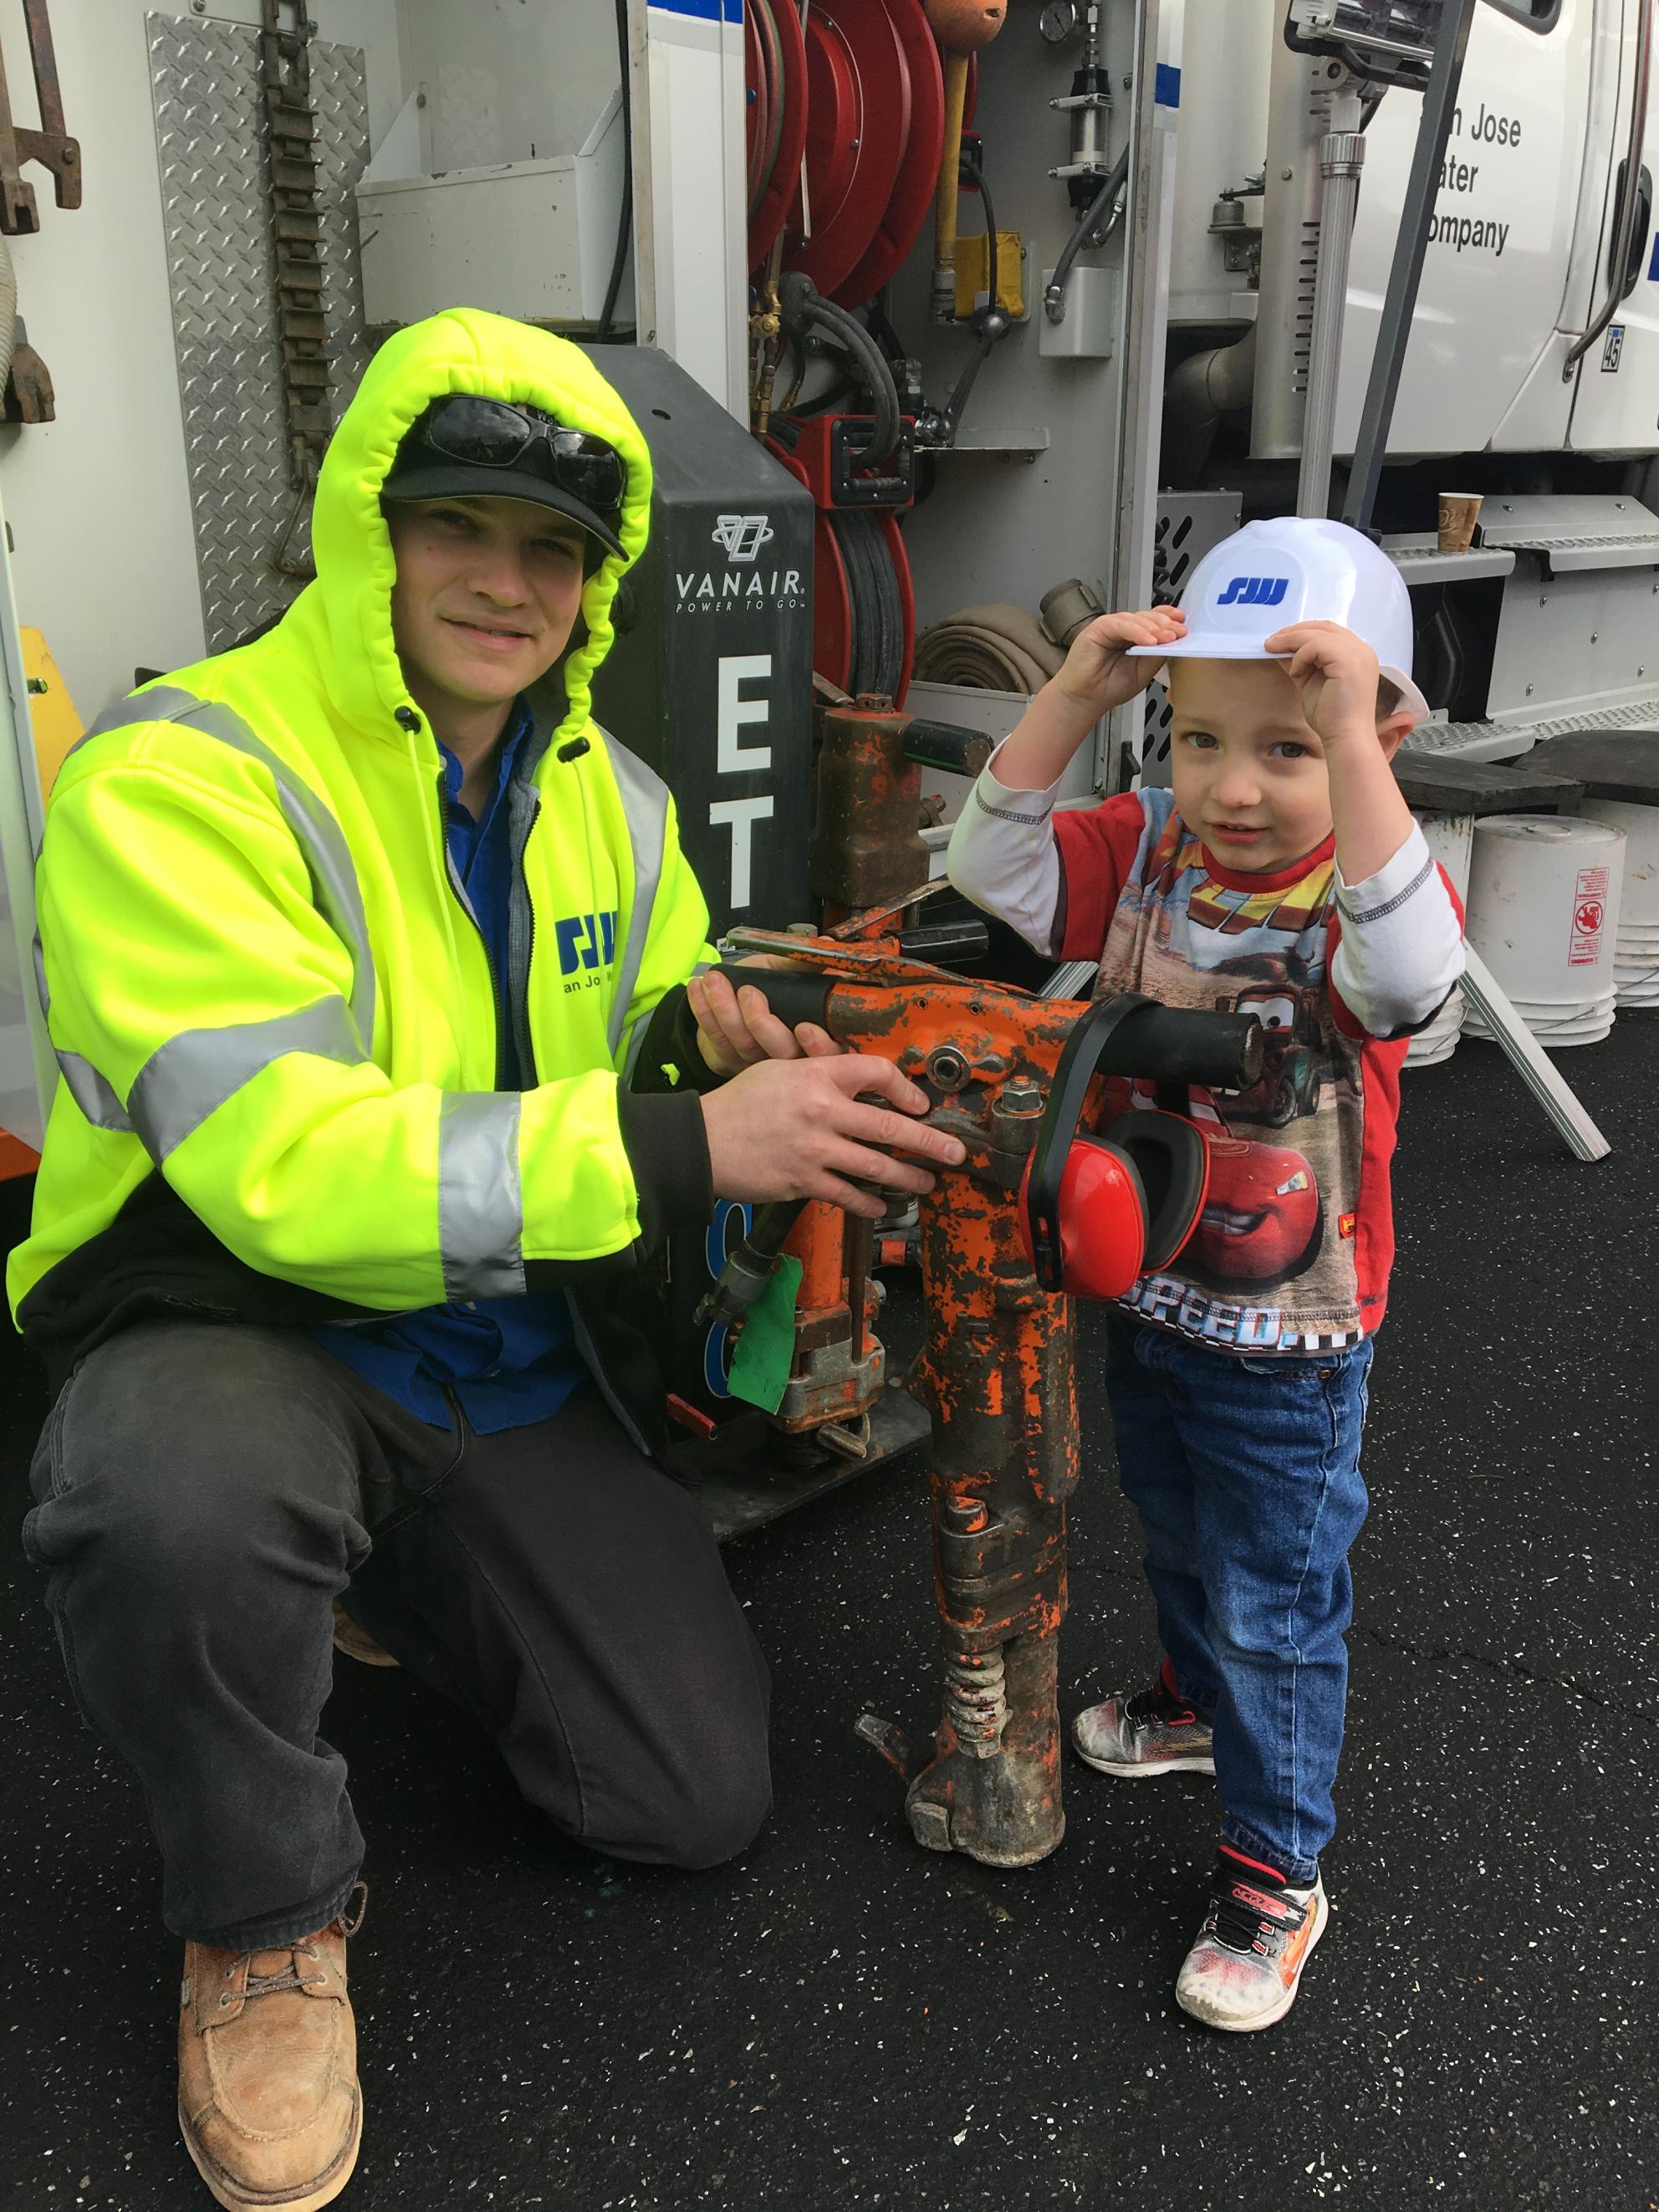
{"points": [[976, 176], [1053, 299], [852, 336], [890, 608], [858, 613], [832, 402], [988, 647], [767, 23], [625, 219], [804, 309], [877, 658], [864, 612]]}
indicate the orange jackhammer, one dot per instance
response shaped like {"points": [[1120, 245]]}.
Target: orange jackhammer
{"points": [[996, 1372]]}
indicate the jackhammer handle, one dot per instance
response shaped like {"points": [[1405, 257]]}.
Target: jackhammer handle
{"points": [[795, 995], [946, 745], [1186, 1044]]}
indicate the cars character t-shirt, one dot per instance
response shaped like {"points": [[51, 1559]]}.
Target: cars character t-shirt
{"points": [[1294, 1246]]}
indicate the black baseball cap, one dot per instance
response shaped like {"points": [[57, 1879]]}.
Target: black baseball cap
{"points": [[467, 448]]}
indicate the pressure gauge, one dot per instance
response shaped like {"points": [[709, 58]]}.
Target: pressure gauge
{"points": [[1058, 21]]}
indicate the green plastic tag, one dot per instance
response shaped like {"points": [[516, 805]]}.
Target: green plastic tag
{"points": [[766, 1347]]}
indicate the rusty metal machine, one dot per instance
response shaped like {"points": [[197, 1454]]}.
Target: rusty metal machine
{"points": [[26, 388], [996, 1370]]}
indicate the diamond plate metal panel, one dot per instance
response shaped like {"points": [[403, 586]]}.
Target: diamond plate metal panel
{"points": [[211, 140]]}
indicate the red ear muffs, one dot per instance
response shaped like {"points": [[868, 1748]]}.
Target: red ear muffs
{"points": [[1102, 1220], [1173, 1161], [1097, 1211], [1128, 1201]]}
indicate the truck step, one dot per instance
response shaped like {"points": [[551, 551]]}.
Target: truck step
{"points": [[1499, 740], [1574, 530]]}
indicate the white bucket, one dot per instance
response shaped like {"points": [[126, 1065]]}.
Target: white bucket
{"points": [[1553, 1036], [1450, 840], [1543, 912], [1639, 900], [1551, 1010], [1636, 977], [1554, 1025], [1439, 1041]]}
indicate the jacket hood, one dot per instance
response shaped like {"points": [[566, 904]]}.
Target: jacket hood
{"points": [[348, 610]]}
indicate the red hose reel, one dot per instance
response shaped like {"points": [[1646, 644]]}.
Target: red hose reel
{"points": [[860, 96], [846, 132]]}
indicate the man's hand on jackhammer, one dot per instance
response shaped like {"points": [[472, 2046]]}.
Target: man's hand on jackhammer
{"points": [[799, 1128], [736, 1029]]}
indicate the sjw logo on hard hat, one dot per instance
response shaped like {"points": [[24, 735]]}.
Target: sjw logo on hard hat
{"points": [[1254, 592], [743, 535]]}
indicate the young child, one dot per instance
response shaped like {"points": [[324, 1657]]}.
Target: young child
{"points": [[1282, 875]]}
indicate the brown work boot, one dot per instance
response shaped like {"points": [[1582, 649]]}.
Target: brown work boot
{"points": [[268, 2070]]}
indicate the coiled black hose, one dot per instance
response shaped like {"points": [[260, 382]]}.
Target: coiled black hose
{"points": [[804, 309], [874, 605]]}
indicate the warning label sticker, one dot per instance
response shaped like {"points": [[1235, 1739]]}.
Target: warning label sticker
{"points": [[1590, 913]]}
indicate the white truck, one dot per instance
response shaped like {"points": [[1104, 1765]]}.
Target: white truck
{"points": [[498, 153]]}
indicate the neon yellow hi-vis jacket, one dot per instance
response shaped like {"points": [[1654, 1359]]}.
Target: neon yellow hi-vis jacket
{"points": [[273, 1013]]}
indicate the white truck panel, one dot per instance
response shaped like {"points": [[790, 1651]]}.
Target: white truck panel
{"points": [[1494, 273], [1616, 404], [1227, 52]]}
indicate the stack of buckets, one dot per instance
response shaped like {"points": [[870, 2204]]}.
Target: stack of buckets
{"points": [[1543, 913], [1450, 839], [1636, 949]]}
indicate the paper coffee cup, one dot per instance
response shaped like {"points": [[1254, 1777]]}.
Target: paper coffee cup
{"points": [[1458, 513]]}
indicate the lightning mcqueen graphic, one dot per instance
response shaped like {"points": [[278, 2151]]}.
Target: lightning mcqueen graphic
{"points": [[1263, 1221]]}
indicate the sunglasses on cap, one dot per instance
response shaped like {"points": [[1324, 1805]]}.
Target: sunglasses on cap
{"points": [[493, 433]]}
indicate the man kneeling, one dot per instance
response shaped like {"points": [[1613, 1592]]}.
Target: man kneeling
{"points": [[344, 1187]]}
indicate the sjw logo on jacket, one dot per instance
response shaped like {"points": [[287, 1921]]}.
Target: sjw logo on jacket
{"points": [[585, 941]]}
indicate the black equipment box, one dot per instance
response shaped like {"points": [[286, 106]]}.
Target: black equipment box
{"points": [[710, 678]]}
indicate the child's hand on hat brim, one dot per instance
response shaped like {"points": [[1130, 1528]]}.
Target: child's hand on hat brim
{"points": [[1099, 675], [1336, 674]]}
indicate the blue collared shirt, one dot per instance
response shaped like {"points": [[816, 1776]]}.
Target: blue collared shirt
{"points": [[507, 1361]]}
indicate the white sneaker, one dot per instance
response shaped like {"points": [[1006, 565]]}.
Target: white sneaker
{"points": [[1153, 1731], [1245, 1968]]}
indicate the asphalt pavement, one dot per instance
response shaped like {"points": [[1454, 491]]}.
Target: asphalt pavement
{"points": [[843, 2021]]}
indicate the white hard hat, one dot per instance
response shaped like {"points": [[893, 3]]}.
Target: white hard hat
{"points": [[1295, 569]]}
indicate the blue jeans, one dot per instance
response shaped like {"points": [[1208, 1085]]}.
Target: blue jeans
{"points": [[1245, 1473]]}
